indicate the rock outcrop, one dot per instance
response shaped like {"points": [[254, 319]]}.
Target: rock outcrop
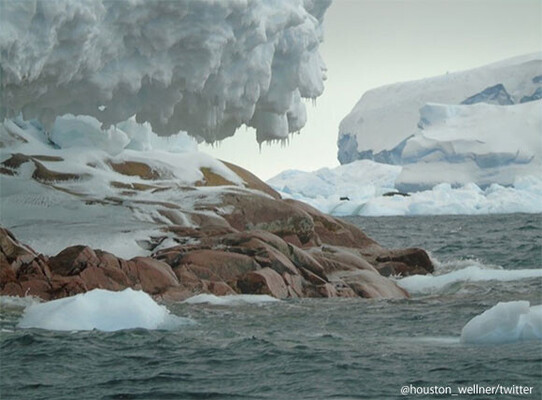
{"points": [[216, 228], [262, 245]]}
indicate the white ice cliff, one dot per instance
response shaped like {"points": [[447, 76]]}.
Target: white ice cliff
{"points": [[462, 143], [386, 116], [204, 67]]}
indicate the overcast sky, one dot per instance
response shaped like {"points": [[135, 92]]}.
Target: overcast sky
{"points": [[370, 43]]}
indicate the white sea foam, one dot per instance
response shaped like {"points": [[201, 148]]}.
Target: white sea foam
{"points": [[7, 302], [417, 284], [504, 323], [231, 300], [102, 310]]}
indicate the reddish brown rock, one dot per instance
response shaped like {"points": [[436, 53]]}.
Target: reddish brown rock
{"points": [[12, 289], [104, 278], [245, 242], [334, 259], [295, 285], [219, 288], [328, 290], [263, 281], [302, 259], [62, 286], [404, 262], [255, 212], [224, 265], [312, 278], [12, 250], [154, 276], [73, 260], [37, 288], [370, 284], [252, 181]]}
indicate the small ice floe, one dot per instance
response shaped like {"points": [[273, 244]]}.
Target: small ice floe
{"points": [[102, 310], [506, 322]]}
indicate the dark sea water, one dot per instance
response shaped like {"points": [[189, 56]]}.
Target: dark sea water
{"points": [[310, 348]]}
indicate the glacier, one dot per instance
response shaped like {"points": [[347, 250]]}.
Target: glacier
{"points": [[479, 143], [478, 126], [462, 143], [387, 116], [203, 67]]}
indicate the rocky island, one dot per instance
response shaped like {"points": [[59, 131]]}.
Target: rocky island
{"points": [[233, 238]]}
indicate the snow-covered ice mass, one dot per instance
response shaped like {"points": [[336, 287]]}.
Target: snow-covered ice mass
{"points": [[462, 143], [204, 67]]}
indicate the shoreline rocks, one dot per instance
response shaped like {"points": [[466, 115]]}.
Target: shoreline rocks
{"points": [[282, 248], [210, 236]]}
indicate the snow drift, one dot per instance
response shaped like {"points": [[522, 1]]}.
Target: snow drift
{"points": [[108, 189], [102, 310], [204, 67], [504, 323]]}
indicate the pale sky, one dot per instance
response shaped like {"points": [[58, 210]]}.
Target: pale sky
{"points": [[370, 43]]}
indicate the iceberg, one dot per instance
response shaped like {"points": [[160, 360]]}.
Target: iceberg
{"points": [[370, 189], [102, 310], [505, 323], [173, 64]]}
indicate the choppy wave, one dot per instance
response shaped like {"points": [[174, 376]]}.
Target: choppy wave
{"points": [[231, 300], [14, 302], [102, 310], [417, 284]]}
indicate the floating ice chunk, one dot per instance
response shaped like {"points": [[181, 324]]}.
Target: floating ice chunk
{"points": [[231, 300], [431, 283], [363, 183], [102, 310], [504, 323]]}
